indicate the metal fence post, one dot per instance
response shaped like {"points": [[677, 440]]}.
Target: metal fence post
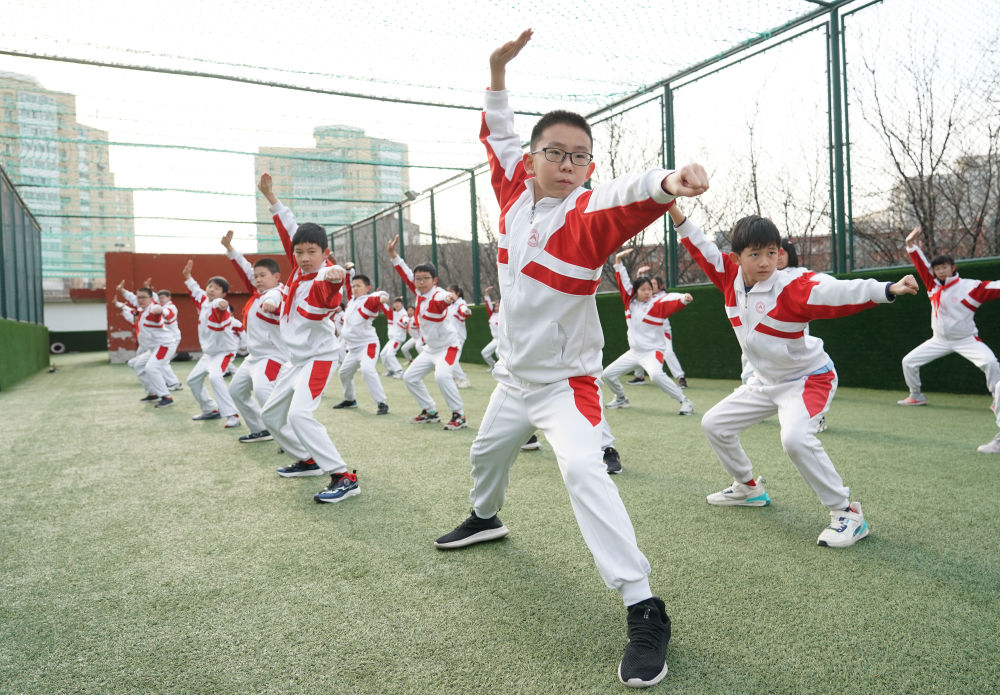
{"points": [[375, 250], [670, 264], [434, 239], [476, 280], [837, 142]]}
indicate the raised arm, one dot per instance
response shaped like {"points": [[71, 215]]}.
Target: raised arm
{"points": [[198, 295], [919, 260], [503, 146], [721, 271], [284, 220], [400, 265], [622, 279], [243, 267]]}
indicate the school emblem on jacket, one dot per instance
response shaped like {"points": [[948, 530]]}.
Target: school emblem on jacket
{"points": [[533, 238], [760, 307]]}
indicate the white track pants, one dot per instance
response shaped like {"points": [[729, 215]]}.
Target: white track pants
{"points": [[362, 356], [971, 348], [489, 353], [459, 373], [652, 362], [388, 356], [570, 416], [799, 404], [212, 367], [251, 386], [288, 414], [670, 359], [413, 344], [157, 371], [138, 365], [442, 362]]}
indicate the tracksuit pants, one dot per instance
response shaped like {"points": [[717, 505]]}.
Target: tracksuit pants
{"points": [[570, 415], [442, 362], [652, 362], [212, 367], [362, 356], [388, 356], [670, 359], [157, 372], [458, 372], [971, 348], [251, 386], [489, 353], [289, 414], [799, 404], [411, 344]]}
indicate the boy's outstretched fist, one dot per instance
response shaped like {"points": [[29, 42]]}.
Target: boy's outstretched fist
{"points": [[266, 186], [188, 267], [690, 180], [907, 285], [227, 240], [393, 243]]}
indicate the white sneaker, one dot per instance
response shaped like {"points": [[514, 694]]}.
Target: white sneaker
{"points": [[463, 383], [618, 402], [846, 528], [740, 495], [913, 399], [992, 448], [232, 421], [687, 407], [821, 425]]}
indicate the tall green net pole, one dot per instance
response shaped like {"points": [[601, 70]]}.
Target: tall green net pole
{"points": [[837, 130], [476, 279], [434, 239], [402, 243], [354, 253], [375, 250], [670, 247]]}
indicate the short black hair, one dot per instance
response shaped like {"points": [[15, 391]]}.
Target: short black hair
{"points": [[640, 281], [456, 290], [398, 299], [942, 259], [164, 293], [363, 278], [660, 283], [145, 290], [426, 268], [559, 116], [269, 263], [310, 232], [793, 255], [221, 282], [754, 231]]}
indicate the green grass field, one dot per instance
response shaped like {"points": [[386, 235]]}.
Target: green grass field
{"points": [[143, 552]]}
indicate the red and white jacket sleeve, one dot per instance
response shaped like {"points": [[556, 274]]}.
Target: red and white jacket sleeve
{"points": [[503, 148], [721, 271], [489, 307], [243, 269], [219, 319], [198, 295], [624, 284], [323, 297], [404, 272], [127, 312], [371, 306], [922, 266], [986, 291], [819, 296], [670, 303], [284, 222]]}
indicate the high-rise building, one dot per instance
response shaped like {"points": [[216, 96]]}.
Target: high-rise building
{"points": [[60, 168], [346, 177]]}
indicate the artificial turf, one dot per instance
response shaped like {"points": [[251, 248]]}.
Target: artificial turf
{"points": [[143, 552]]}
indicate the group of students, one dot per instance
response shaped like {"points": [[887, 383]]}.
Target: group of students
{"points": [[546, 352]]}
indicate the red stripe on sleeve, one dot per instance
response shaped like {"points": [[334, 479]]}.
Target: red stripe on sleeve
{"points": [[560, 283]]}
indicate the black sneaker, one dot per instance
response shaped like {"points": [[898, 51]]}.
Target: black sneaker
{"points": [[457, 422], [644, 663], [300, 469], [612, 460], [682, 382], [342, 486], [532, 444], [383, 409], [164, 402], [149, 398], [471, 531], [262, 436], [346, 404], [214, 415], [636, 381]]}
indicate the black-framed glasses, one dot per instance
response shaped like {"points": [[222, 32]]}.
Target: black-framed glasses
{"points": [[554, 154]]}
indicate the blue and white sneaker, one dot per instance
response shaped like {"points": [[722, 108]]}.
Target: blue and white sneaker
{"points": [[740, 495], [846, 528], [342, 486], [300, 469]]}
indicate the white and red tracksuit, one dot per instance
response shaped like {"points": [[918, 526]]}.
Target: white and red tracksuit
{"points": [[397, 321], [308, 335], [489, 352], [158, 338], [413, 342], [954, 303], [646, 339], [254, 380], [219, 335], [361, 341], [171, 321], [459, 312], [441, 347], [793, 375], [550, 339], [669, 356]]}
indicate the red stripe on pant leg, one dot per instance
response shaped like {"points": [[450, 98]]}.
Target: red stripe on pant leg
{"points": [[372, 349], [318, 376], [162, 352], [450, 356], [395, 345], [587, 397], [659, 356], [817, 391], [272, 369], [225, 362]]}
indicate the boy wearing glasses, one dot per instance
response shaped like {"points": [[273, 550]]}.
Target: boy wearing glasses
{"points": [[555, 236]]}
